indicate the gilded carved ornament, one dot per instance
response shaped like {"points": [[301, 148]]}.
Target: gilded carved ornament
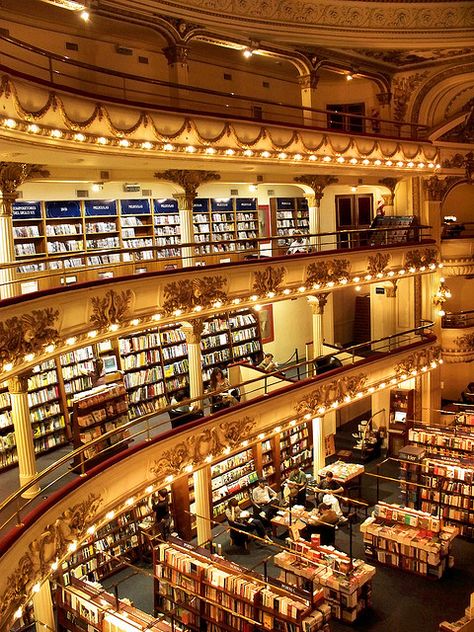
{"points": [[466, 161], [378, 263], [187, 294], [324, 272], [403, 90], [111, 309], [390, 183], [51, 546], [176, 54], [18, 384], [194, 449], [391, 290], [268, 281], [436, 188], [465, 343], [326, 394], [29, 333], [190, 180], [318, 303], [12, 176], [421, 257], [317, 183], [415, 362], [193, 330]]}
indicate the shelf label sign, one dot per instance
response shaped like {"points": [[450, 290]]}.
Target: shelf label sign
{"points": [[201, 205], [221, 204], [135, 207], [58, 210], [285, 203], [246, 204], [26, 210], [166, 206], [100, 207], [302, 204]]}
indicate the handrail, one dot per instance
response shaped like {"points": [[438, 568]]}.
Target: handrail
{"points": [[458, 320], [14, 505], [395, 127]]}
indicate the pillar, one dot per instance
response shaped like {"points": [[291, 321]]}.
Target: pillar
{"points": [[43, 609], [319, 458], [308, 84], [202, 495], [193, 331], [178, 69], [317, 184], [185, 206], [431, 396], [388, 200], [380, 401], [317, 304], [18, 389], [314, 207]]}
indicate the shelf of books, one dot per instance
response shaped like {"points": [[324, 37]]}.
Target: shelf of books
{"points": [[411, 540], [175, 358], [245, 335], [167, 227], [95, 412], [288, 215], [347, 588], [202, 225], [85, 605], [28, 231], [204, 591], [246, 216], [410, 475], [233, 477], [450, 441], [8, 454], [464, 624], [136, 227], [295, 449]]}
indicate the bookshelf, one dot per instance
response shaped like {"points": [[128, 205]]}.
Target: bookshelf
{"points": [[233, 477], [8, 454], [203, 591], [414, 541], [167, 227], [346, 586], [246, 217], [101, 228], [28, 230], [202, 225], [64, 228], [402, 403], [223, 225], [450, 442], [295, 449], [245, 335], [136, 227], [288, 215], [410, 475]]}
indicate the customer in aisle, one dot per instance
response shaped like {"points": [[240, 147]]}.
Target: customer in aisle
{"points": [[222, 393], [294, 489], [241, 519], [182, 413], [268, 364], [162, 515], [265, 501], [328, 486]]}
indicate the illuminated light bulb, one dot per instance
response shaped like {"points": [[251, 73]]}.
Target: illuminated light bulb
{"points": [[349, 77], [327, 159], [50, 348], [258, 308], [414, 372], [402, 271], [33, 129], [432, 266], [400, 163], [217, 304], [347, 398], [8, 366], [412, 269], [371, 389], [441, 312], [430, 165], [438, 166], [321, 410], [29, 357], [198, 308], [169, 478], [316, 286], [422, 268], [440, 361], [302, 288], [261, 436], [254, 297], [433, 364], [236, 301], [91, 529], [229, 152], [287, 291], [356, 279], [277, 429], [388, 163], [424, 369], [129, 501], [56, 133], [340, 160], [366, 161], [147, 145], [293, 422], [379, 275], [71, 341], [354, 189], [307, 416], [18, 613], [226, 450], [54, 566], [393, 380], [410, 164], [37, 587], [123, 142], [85, 15], [110, 515], [270, 294], [245, 443], [248, 152], [265, 154], [359, 395], [114, 327], [391, 273], [382, 384], [368, 277], [149, 489], [102, 140], [377, 162], [79, 137], [331, 284], [72, 546], [358, 288], [10, 123], [421, 165], [168, 147], [282, 155], [92, 334], [353, 161], [188, 468], [156, 317], [297, 157], [208, 458], [247, 53], [335, 404], [178, 312], [312, 157], [190, 149], [210, 150], [403, 377]]}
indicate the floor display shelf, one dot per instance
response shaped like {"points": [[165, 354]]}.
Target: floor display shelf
{"points": [[46, 415], [464, 624], [204, 591], [443, 441], [347, 587], [411, 540], [287, 216], [85, 605]]}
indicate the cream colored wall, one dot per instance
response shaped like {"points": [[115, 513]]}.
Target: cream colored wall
{"points": [[460, 202], [292, 329], [455, 378], [344, 306], [335, 89]]}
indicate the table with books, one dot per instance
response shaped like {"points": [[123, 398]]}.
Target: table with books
{"points": [[293, 519], [348, 474]]}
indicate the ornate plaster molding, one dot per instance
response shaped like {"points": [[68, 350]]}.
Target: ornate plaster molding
{"points": [[193, 330], [414, 363], [194, 449], [176, 54], [323, 396], [459, 266], [12, 176], [188, 294], [421, 257], [436, 189], [322, 273], [390, 183], [18, 384], [317, 183], [467, 161], [391, 290], [269, 280], [190, 180], [29, 333], [403, 90], [318, 303], [51, 546], [377, 263], [111, 309]]}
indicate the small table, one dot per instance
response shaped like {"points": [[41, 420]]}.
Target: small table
{"points": [[344, 473]]}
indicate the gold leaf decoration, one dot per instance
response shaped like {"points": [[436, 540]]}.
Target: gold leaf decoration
{"points": [[186, 294], [323, 272], [28, 333], [328, 393], [417, 360], [51, 545], [465, 342], [113, 308], [378, 263], [268, 280], [209, 441], [421, 257]]}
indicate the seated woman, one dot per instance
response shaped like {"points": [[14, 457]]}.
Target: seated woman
{"points": [[183, 412], [241, 519], [222, 393]]}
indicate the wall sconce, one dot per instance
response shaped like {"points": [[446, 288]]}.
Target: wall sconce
{"points": [[443, 293]]}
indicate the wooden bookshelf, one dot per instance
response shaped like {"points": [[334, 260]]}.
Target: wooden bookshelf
{"points": [[287, 216], [167, 227], [402, 402], [233, 477], [450, 442]]}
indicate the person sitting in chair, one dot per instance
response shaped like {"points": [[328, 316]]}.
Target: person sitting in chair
{"points": [[223, 394], [268, 364], [241, 519], [328, 485], [294, 490], [324, 524], [264, 500], [298, 245]]}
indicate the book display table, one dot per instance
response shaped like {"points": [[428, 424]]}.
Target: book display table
{"points": [[348, 474]]}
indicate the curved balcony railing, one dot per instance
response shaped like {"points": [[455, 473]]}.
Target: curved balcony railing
{"points": [[61, 72], [143, 429], [38, 273], [458, 320]]}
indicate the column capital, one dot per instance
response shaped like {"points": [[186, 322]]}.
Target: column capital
{"points": [[193, 331], [12, 176], [176, 54], [190, 180], [390, 183], [311, 199], [317, 183], [18, 384], [391, 290], [309, 81], [318, 303]]}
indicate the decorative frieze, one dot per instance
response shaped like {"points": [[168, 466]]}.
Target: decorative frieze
{"points": [[377, 263], [322, 273], [268, 281], [190, 180], [317, 183], [321, 398], [189, 295], [111, 309], [27, 334], [417, 362], [421, 257]]}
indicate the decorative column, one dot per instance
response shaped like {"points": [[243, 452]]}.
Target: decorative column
{"points": [[319, 457], [202, 495], [431, 396], [384, 99], [308, 84], [43, 608], [390, 183], [318, 303], [177, 57], [435, 190], [193, 331], [317, 184], [18, 389], [190, 181]]}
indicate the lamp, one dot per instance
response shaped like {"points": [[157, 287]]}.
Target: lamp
{"points": [[443, 293]]}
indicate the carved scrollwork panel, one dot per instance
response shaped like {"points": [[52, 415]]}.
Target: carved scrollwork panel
{"points": [[416, 361], [113, 308], [28, 333], [323, 272], [336, 390], [186, 294], [268, 280], [421, 257], [378, 263]]}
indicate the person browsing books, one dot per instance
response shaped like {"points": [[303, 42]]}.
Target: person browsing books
{"points": [[241, 519], [268, 364], [328, 486], [223, 394], [264, 499], [162, 514]]}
